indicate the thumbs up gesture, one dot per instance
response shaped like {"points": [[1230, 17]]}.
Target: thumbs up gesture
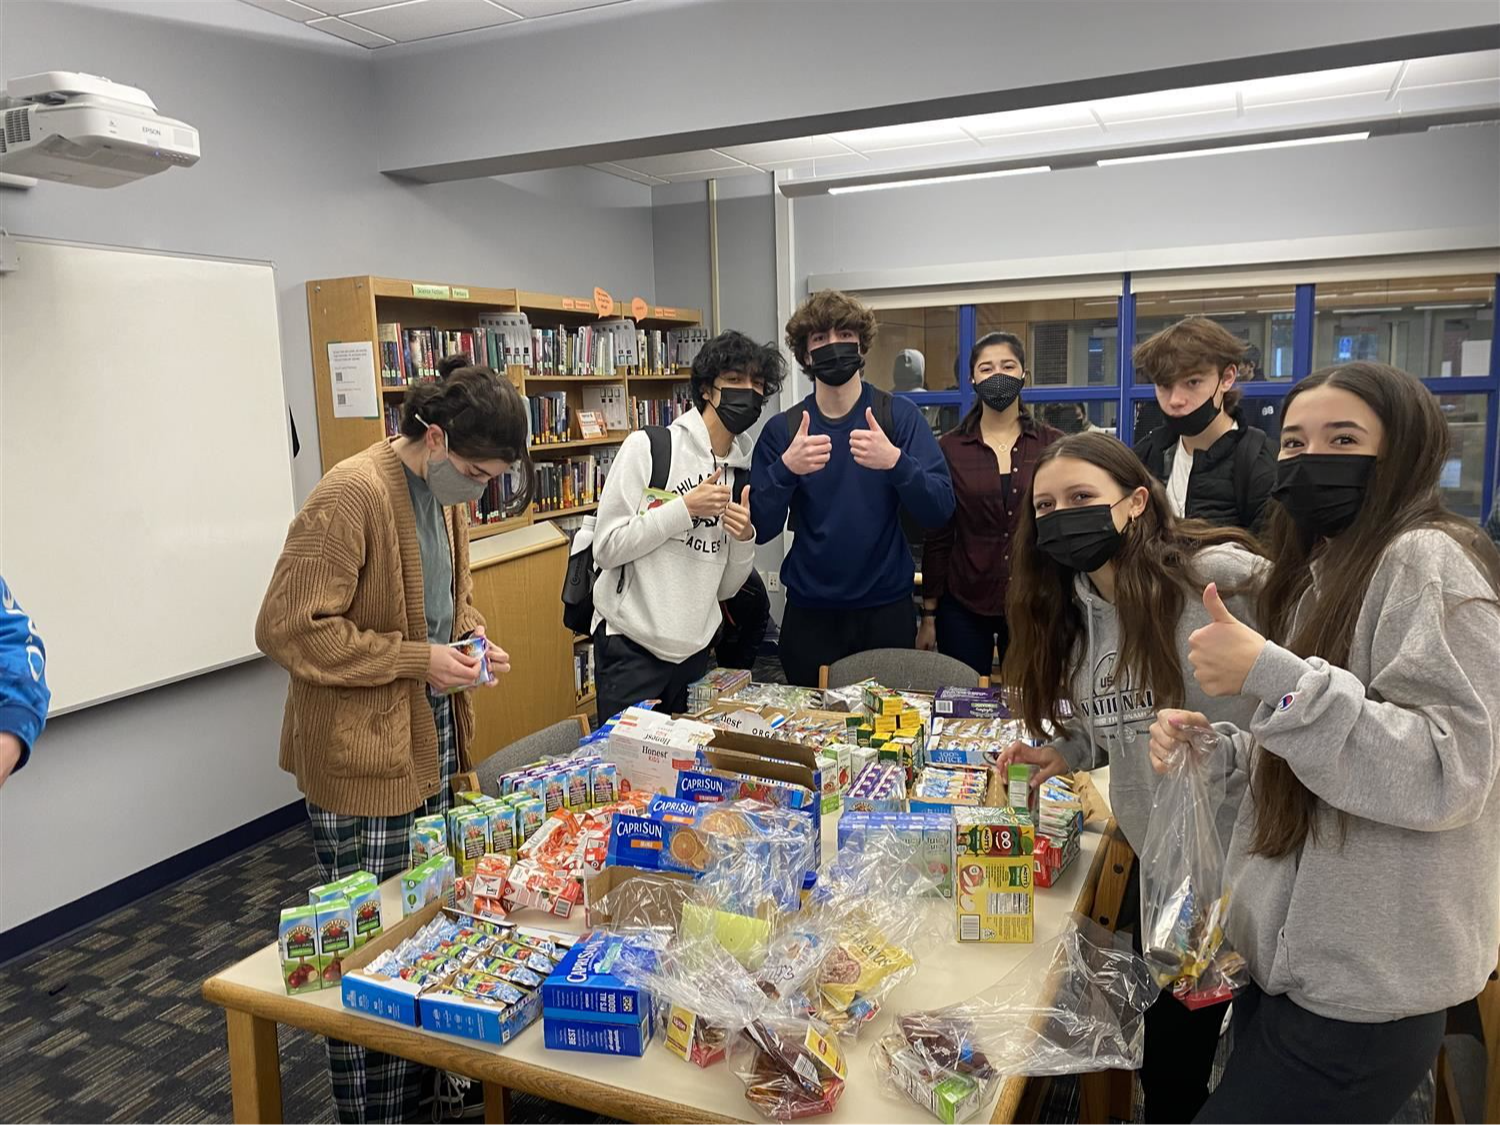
{"points": [[1223, 651], [807, 452], [871, 448], [737, 517]]}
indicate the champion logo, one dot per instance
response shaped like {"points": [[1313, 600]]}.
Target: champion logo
{"points": [[1286, 702]]}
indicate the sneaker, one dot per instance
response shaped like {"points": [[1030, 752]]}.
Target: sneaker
{"points": [[458, 1098]]}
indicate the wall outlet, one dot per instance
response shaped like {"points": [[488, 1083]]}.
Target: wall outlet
{"points": [[773, 581]]}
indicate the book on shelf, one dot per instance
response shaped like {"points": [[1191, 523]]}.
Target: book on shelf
{"points": [[609, 403], [392, 419], [515, 335], [661, 411], [570, 482], [549, 417], [496, 500], [591, 424]]}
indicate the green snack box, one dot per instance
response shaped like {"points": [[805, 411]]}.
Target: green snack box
{"points": [[530, 813], [468, 837], [504, 833], [335, 938], [297, 937]]}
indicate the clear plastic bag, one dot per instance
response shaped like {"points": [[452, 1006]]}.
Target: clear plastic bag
{"points": [[1184, 902], [1077, 1006], [790, 1064]]}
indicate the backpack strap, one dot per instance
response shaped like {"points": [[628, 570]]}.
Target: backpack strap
{"points": [[1245, 455], [661, 455], [883, 406]]}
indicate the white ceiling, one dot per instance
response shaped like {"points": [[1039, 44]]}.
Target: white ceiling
{"points": [[1363, 93], [380, 23]]}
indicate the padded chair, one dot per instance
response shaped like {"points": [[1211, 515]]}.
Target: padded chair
{"points": [[560, 738], [905, 669]]}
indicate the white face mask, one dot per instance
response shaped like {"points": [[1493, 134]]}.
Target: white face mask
{"points": [[447, 484]]}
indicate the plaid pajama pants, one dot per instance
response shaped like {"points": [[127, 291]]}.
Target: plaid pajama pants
{"points": [[368, 1086]]}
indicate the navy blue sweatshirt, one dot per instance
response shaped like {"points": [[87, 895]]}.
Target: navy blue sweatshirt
{"points": [[848, 551]]}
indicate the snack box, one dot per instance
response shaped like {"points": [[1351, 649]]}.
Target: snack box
{"points": [[476, 648], [647, 749], [297, 939], [692, 1038], [930, 835], [969, 703], [882, 701], [1053, 857], [772, 759], [451, 1012], [585, 985], [992, 872], [560, 1033]]}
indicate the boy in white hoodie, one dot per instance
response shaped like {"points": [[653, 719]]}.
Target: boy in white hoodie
{"points": [[668, 557]]}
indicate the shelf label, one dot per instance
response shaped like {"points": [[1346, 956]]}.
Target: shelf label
{"points": [[430, 291], [567, 304], [604, 304], [460, 294], [639, 309], [665, 312]]}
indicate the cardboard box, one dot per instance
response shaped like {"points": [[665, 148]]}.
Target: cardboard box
{"points": [[584, 985], [648, 748], [774, 760], [561, 1033], [993, 878], [390, 998], [660, 910], [969, 703], [453, 1014]]}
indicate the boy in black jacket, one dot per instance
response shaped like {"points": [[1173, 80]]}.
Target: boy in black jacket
{"points": [[1214, 466]]}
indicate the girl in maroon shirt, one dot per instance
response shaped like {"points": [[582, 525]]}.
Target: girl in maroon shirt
{"points": [[991, 456]]}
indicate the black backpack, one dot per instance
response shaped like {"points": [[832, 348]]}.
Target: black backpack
{"points": [[1245, 455], [578, 581]]}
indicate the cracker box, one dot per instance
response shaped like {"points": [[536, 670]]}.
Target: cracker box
{"points": [[297, 938], [969, 703], [631, 1039], [992, 874], [928, 834], [586, 985]]}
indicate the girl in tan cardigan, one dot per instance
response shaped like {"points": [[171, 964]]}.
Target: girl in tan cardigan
{"points": [[372, 585]]}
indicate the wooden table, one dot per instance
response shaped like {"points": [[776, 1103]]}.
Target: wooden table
{"points": [[657, 1087]]}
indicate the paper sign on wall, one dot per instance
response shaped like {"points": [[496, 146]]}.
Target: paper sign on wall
{"points": [[351, 370], [639, 309], [604, 304]]}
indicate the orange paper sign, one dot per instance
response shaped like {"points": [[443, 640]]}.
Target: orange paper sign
{"points": [[667, 313], [567, 304], [639, 309], [604, 304]]}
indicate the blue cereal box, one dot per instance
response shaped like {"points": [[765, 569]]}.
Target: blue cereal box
{"points": [[632, 1039], [585, 984]]}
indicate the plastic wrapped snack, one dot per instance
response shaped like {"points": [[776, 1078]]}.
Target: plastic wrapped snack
{"points": [[1074, 1007], [1184, 902], [791, 1067]]}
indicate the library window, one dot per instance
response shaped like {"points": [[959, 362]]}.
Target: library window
{"points": [[1434, 327], [1262, 316], [1074, 416], [1070, 342], [1462, 479], [941, 417], [915, 350]]}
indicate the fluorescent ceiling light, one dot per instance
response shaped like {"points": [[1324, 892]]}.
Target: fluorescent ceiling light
{"points": [[1391, 292], [1460, 305], [1356, 312], [941, 179], [1232, 148]]}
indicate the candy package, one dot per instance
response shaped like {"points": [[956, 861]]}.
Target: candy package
{"points": [[1079, 1006], [1184, 902]]}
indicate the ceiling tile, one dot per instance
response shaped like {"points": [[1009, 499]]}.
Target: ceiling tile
{"points": [[1474, 66], [351, 34], [627, 173], [1042, 119], [1376, 79], [344, 7], [901, 136], [1167, 103], [1057, 140], [530, 9], [288, 8], [715, 174], [785, 152], [423, 19], [920, 157], [682, 163], [1454, 95]]}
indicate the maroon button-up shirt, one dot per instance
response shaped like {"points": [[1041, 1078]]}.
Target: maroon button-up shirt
{"points": [[970, 557]]}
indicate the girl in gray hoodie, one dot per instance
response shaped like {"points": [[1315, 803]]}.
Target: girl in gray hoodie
{"points": [[1363, 869], [1106, 587]]}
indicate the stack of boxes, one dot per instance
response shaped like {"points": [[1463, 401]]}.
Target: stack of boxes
{"points": [[588, 1006], [1059, 827], [314, 939]]}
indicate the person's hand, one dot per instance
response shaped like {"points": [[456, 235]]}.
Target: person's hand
{"points": [[1046, 759], [808, 452], [927, 635], [499, 659], [10, 754], [871, 448], [1224, 650], [449, 668], [1170, 733], [737, 517], [708, 499]]}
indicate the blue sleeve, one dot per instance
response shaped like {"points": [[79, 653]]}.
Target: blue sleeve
{"points": [[921, 476], [23, 675], [771, 482]]}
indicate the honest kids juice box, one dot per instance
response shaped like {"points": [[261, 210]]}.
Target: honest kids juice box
{"points": [[298, 939], [992, 874], [335, 939]]}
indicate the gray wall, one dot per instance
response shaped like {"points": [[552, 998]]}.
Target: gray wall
{"points": [[288, 174]]}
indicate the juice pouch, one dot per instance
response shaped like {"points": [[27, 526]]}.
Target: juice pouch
{"points": [[335, 938], [297, 938]]}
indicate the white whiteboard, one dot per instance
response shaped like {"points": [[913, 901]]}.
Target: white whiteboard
{"points": [[145, 466]]}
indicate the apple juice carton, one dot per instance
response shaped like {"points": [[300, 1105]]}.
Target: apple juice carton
{"points": [[335, 938], [505, 836], [468, 837], [363, 893], [429, 837], [297, 938]]}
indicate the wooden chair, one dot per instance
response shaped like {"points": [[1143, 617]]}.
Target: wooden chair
{"points": [[905, 669], [558, 739], [1463, 1060]]}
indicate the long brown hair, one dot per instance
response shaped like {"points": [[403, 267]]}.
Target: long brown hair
{"points": [[1154, 575], [1401, 495]]}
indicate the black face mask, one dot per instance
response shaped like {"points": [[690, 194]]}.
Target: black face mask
{"points": [[834, 364], [999, 391], [1194, 422], [739, 408], [1081, 539], [1322, 492]]}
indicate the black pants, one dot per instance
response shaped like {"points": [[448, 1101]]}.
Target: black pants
{"points": [[1291, 1065], [971, 637], [626, 674], [1180, 1042], [811, 638]]}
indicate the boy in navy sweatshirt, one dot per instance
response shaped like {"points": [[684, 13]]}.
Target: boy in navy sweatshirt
{"points": [[844, 462]]}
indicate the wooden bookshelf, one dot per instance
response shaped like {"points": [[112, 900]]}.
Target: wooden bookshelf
{"points": [[577, 510], [614, 437], [485, 530]]}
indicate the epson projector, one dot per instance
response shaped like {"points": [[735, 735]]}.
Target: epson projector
{"points": [[78, 129]]}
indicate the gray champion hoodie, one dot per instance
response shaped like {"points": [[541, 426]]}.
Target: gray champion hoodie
{"points": [[1401, 916], [1112, 716]]}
